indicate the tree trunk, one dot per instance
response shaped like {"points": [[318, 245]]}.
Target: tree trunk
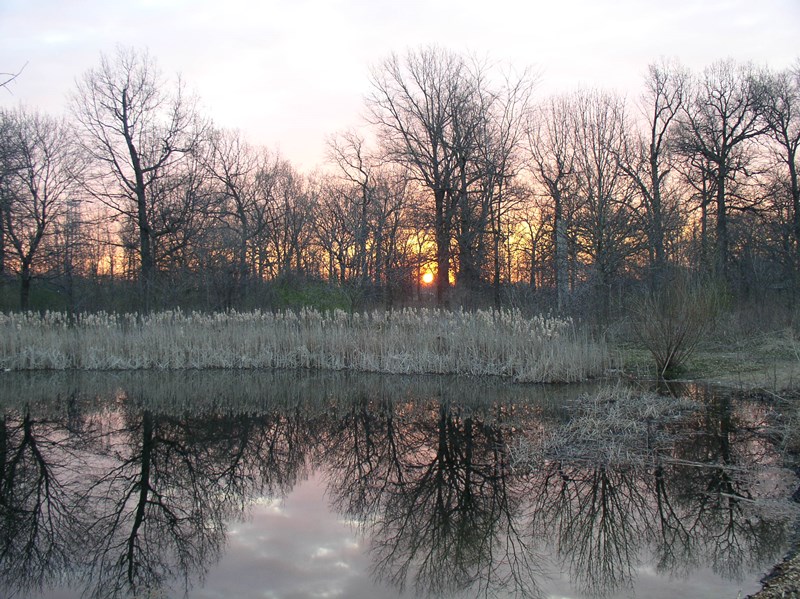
{"points": [[143, 499], [442, 249], [721, 248], [795, 187], [496, 226], [704, 234], [496, 275], [656, 225], [560, 253], [145, 261], [25, 287]]}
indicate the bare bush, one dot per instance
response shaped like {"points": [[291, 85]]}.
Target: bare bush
{"points": [[671, 321]]}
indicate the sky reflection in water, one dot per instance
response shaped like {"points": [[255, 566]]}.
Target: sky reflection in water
{"points": [[306, 485]]}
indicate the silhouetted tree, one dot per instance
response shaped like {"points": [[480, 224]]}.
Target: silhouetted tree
{"points": [[605, 220], [138, 135], [648, 160], [39, 171], [780, 105], [552, 161], [716, 125], [415, 104]]}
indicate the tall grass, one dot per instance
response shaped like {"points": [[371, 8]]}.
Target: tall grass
{"points": [[504, 343]]}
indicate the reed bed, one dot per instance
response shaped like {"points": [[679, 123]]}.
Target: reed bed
{"points": [[418, 341]]}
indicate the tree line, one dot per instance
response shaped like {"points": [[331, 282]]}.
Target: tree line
{"points": [[137, 201]]}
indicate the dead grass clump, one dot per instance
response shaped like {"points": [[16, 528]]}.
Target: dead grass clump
{"points": [[615, 425]]}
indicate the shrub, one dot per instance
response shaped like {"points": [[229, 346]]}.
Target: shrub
{"points": [[672, 320]]}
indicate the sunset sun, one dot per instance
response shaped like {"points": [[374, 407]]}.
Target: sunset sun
{"points": [[433, 300]]}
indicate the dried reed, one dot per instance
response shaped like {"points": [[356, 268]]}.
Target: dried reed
{"points": [[612, 425], [498, 343]]}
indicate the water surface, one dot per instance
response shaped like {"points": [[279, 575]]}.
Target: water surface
{"points": [[288, 484]]}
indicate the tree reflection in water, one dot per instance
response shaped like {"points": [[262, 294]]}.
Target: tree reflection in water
{"points": [[432, 485], [712, 497], [41, 521], [124, 485], [159, 507]]}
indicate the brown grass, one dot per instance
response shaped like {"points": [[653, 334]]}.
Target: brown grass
{"points": [[484, 343]]}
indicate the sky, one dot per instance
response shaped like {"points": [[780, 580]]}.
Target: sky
{"points": [[291, 73]]}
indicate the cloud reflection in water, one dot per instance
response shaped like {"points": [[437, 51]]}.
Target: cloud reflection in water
{"points": [[289, 485]]}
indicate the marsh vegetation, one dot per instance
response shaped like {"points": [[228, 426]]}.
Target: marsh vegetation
{"points": [[469, 229], [482, 343]]}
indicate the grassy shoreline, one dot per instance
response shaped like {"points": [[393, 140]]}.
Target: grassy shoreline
{"points": [[421, 341]]}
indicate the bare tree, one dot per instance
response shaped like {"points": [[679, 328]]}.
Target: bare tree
{"points": [[369, 199], [8, 165], [605, 221], [500, 144], [244, 178], [393, 200], [294, 206], [780, 106], [717, 124], [552, 163], [416, 245], [440, 117], [348, 151], [10, 154], [7, 78], [136, 133], [414, 104], [648, 157], [182, 210], [532, 221], [35, 187], [471, 203], [336, 227]]}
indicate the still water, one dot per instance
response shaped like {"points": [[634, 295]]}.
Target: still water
{"points": [[301, 485]]}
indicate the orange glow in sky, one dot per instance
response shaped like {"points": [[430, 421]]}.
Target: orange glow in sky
{"points": [[427, 278]]}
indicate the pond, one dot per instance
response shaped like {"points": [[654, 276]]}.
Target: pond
{"points": [[299, 485]]}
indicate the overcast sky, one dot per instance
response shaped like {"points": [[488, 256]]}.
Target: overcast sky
{"points": [[291, 72]]}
